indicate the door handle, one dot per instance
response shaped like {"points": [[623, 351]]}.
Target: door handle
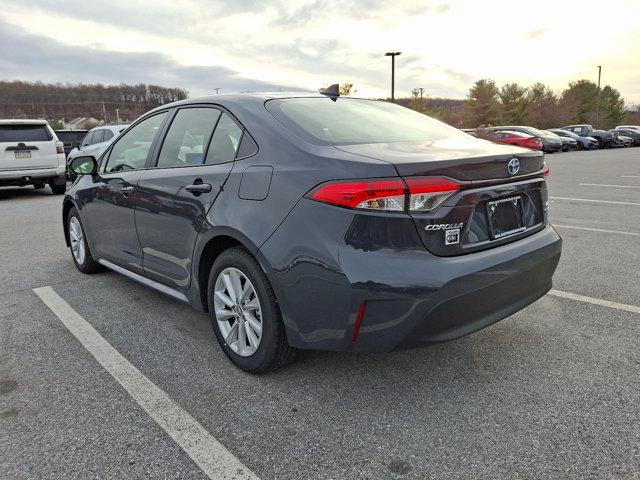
{"points": [[126, 190], [198, 188]]}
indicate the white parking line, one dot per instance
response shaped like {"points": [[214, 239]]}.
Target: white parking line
{"points": [[619, 232], [594, 201], [604, 185], [209, 454], [629, 176], [595, 301]]}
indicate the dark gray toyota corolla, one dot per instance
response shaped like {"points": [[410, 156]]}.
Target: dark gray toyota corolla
{"points": [[316, 222]]}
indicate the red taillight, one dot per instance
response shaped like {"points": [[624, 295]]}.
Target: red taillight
{"points": [[60, 148], [380, 194], [545, 171], [426, 194], [388, 194]]}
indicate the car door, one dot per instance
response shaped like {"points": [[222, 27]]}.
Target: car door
{"points": [[110, 202], [173, 198]]}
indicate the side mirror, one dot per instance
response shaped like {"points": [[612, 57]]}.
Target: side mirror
{"points": [[86, 165]]}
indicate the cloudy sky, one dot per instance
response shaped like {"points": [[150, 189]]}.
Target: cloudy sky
{"points": [[247, 45]]}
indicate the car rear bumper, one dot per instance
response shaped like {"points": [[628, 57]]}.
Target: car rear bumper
{"points": [[550, 147], [28, 176], [412, 297], [452, 297]]}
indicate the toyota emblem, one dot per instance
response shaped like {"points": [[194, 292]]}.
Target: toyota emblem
{"points": [[513, 166]]}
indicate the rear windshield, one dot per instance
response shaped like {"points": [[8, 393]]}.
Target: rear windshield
{"points": [[70, 136], [24, 133], [516, 134], [322, 121]]}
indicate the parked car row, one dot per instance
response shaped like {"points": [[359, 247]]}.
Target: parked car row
{"points": [[32, 153], [94, 143], [567, 138]]}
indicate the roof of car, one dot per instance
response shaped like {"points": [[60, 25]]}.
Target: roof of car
{"points": [[118, 127], [258, 95], [251, 97], [507, 127], [22, 121]]}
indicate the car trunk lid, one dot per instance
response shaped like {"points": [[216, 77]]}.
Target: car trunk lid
{"points": [[502, 195], [463, 159]]}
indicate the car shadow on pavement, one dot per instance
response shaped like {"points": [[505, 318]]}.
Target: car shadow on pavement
{"points": [[16, 193]]}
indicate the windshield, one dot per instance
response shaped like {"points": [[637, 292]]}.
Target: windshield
{"points": [[565, 133], [321, 121], [540, 133]]}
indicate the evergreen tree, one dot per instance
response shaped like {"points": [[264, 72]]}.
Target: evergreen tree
{"points": [[612, 108], [514, 102], [542, 107], [482, 106]]}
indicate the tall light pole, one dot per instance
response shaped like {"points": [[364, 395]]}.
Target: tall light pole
{"points": [[598, 97], [117, 116], [393, 71], [217, 90]]}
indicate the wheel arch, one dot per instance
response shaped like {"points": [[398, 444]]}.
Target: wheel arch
{"points": [[210, 246]]}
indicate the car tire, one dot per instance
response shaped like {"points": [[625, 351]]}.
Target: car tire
{"points": [[239, 268], [58, 185], [77, 237]]}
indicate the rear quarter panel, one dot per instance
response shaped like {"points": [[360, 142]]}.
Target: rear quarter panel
{"points": [[297, 168]]}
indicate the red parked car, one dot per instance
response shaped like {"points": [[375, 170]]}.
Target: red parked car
{"points": [[514, 138]]}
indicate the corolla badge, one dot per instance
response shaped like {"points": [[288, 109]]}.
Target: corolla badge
{"points": [[513, 166]]}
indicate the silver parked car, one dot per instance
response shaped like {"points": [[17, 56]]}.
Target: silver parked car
{"points": [[96, 141]]}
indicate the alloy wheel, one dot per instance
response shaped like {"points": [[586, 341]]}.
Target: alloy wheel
{"points": [[238, 311]]}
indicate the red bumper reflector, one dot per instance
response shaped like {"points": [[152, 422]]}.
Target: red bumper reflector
{"points": [[356, 329]]}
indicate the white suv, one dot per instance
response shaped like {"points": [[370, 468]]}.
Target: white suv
{"points": [[31, 154], [96, 141]]}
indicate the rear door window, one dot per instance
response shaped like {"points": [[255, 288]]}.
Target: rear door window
{"points": [[24, 133], [108, 135], [186, 141], [225, 141], [97, 136]]}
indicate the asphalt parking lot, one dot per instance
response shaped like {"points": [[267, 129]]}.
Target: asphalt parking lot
{"points": [[551, 392]]}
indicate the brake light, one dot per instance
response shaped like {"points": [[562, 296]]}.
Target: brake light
{"points": [[381, 194], [427, 194], [60, 148], [545, 171], [424, 194]]}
